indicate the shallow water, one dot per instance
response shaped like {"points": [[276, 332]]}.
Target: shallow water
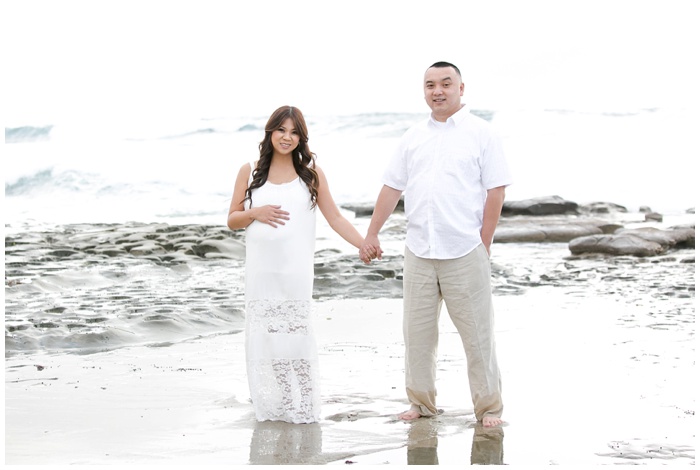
{"points": [[580, 387], [596, 353], [89, 288], [584, 383]]}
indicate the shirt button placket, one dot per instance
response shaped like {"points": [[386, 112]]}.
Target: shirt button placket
{"points": [[434, 176]]}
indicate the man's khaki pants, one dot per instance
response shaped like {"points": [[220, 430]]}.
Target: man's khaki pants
{"points": [[465, 286]]}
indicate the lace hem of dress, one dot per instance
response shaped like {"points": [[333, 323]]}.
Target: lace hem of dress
{"points": [[284, 390], [279, 316]]}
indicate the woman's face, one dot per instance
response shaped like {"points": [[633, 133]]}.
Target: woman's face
{"points": [[285, 138]]}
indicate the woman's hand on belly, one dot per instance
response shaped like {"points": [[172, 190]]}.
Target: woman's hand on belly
{"points": [[270, 214]]}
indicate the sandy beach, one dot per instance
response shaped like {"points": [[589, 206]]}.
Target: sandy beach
{"points": [[126, 125], [581, 387], [118, 353]]}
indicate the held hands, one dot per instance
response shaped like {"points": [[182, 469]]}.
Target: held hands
{"points": [[271, 215], [370, 249]]}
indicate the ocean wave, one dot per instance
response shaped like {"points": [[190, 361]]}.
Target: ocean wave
{"points": [[251, 127], [71, 181], [373, 124], [376, 124], [208, 130], [47, 180], [27, 134], [379, 122], [28, 184], [185, 168]]}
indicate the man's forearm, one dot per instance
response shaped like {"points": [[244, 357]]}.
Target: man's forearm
{"points": [[492, 213], [386, 203]]}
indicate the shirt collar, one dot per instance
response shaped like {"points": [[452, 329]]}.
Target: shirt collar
{"points": [[453, 120]]}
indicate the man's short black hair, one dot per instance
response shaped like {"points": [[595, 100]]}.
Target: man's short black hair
{"points": [[441, 65]]}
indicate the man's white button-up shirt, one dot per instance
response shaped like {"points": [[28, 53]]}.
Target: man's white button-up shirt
{"points": [[444, 170]]}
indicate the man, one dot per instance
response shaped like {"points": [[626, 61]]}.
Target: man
{"points": [[452, 172]]}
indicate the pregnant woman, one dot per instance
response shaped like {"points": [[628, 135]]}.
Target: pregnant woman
{"points": [[275, 200]]}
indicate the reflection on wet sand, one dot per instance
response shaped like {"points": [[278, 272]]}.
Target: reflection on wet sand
{"points": [[276, 442], [487, 445], [423, 452]]}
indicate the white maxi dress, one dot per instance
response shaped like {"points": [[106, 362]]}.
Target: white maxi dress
{"points": [[281, 352]]}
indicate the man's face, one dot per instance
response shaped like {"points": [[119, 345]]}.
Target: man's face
{"points": [[443, 89]]}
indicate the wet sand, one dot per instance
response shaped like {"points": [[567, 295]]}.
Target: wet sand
{"points": [[580, 387], [124, 345]]}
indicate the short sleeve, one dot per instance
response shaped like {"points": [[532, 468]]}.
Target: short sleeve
{"points": [[396, 173], [494, 167]]}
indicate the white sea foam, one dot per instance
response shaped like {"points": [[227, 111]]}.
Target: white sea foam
{"points": [[184, 171]]}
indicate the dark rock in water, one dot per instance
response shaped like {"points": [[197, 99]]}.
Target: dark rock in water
{"points": [[62, 253], [366, 209], [146, 248], [615, 245], [361, 209], [539, 233], [229, 246], [547, 205], [549, 229], [646, 241], [602, 208], [158, 242], [681, 236], [610, 227], [654, 216]]}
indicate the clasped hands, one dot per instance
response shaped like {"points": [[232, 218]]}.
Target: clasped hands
{"points": [[370, 250]]}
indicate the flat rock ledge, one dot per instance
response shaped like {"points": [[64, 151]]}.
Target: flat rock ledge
{"points": [[646, 241], [160, 242], [546, 205], [595, 228], [550, 229]]}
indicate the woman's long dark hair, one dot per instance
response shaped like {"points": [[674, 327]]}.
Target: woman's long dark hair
{"points": [[304, 160]]}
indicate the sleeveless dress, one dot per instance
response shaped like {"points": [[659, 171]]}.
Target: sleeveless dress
{"points": [[281, 353]]}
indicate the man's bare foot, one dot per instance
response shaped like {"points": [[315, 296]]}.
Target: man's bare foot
{"points": [[491, 421], [409, 415]]}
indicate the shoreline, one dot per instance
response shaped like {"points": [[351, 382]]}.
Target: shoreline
{"points": [[187, 402], [124, 344]]}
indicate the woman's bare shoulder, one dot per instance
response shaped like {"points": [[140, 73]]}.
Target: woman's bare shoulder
{"points": [[246, 168]]}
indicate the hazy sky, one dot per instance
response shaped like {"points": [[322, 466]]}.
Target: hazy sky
{"points": [[67, 59]]}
